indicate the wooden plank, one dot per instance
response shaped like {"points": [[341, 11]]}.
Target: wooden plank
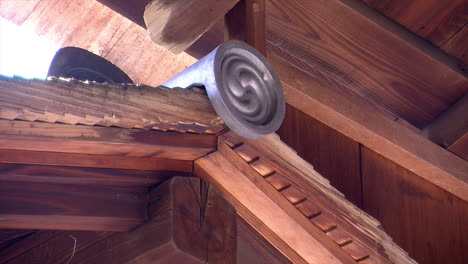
{"points": [[69, 207], [371, 129], [333, 155], [39, 136], [179, 231], [93, 161], [81, 176], [450, 125], [457, 47], [356, 50], [128, 106], [246, 22], [350, 230], [434, 20], [171, 23], [425, 220]]}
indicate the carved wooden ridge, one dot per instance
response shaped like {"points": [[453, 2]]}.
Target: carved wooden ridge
{"points": [[305, 196]]}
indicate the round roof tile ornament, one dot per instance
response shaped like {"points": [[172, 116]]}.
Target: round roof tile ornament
{"points": [[242, 87]]}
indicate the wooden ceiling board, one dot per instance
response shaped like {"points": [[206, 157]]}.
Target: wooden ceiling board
{"points": [[434, 20], [353, 48]]}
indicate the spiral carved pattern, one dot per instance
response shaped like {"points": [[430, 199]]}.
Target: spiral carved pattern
{"points": [[249, 88]]}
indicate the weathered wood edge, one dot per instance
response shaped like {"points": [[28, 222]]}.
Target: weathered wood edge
{"points": [[71, 101]]}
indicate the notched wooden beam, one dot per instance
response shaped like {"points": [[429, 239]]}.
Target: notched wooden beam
{"points": [[315, 211], [128, 106]]}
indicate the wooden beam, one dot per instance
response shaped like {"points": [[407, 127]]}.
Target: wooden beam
{"points": [[129, 106], [358, 51], [450, 126], [93, 161], [69, 207], [246, 22], [366, 126], [189, 223], [82, 176], [276, 171], [110, 141], [176, 25], [262, 213]]}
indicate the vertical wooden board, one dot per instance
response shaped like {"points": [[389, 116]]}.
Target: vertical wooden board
{"points": [[17, 11], [434, 20], [332, 154], [422, 218], [355, 50]]}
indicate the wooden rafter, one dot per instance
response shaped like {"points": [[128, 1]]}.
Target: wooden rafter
{"points": [[358, 51], [363, 124], [285, 200], [178, 231]]}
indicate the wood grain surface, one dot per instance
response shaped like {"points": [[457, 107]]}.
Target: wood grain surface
{"points": [[128, 106], [434, 20], [311, 195], [424, 219], [93, 161], [368, 127], [171, 24], [333, 155], [246, 22], [111, 141], [81, 176], [457, 47], [181, 229], [356, 50], [69, 207]]}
